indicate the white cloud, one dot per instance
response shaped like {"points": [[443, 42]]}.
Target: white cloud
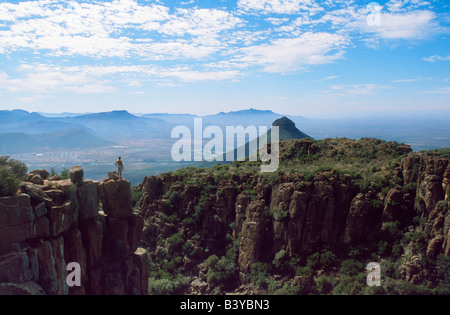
{"points": [[278, 6], [437, 58], [355, 90], [331, 77], [113, 29], [442, 90], [42, 80], [148, 41], [410, 25], [292, 54]]}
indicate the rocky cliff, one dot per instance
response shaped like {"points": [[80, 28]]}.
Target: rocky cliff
{"points": [[51, 223], [294, 213]]}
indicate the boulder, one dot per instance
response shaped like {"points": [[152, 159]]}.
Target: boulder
{"points": [[76, 175], [88, 198], [42, 173], [36, 193], [116, 198], [37, 179], [113, 175]]}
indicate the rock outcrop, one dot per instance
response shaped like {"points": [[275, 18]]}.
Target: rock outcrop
{"points": [[296, 213], [53, 223]]}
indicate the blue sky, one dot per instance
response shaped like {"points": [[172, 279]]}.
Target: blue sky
{"points": [[300, 57]]}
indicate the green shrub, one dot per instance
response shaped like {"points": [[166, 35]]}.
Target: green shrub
{"points": [[11, 174], [176, 242], [167, 286], [323, 260], [259, 274], [222, 272], [279, 214], [135, 197], [324, 284], [64, 174], [9, 183]]}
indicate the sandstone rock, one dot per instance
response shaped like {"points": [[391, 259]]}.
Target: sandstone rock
{"points": [[76, 174], [74, 251], [252, 236], [60, 265], [37, 179], [60, 217], [60, 223], [41, 228], [141, 259], [446, 233], [42, 173], [15, 210], [28, 288], [113, 175], [54, 178], [435, 246], [135, 228], [58, 197], [92, 232], [431, 192], [88, 198], [132, 278], [361, 220], [36, 193], [116, 198], [116, 244], [65, 185], [47, 272], [16, 220], [40, 209], [15, 268], [14, 234]]}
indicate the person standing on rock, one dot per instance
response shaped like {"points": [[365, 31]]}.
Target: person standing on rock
{"points": [[119, 165]]}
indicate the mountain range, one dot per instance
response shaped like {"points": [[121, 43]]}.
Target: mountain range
{"points": [[24, 132], [20, 130]]}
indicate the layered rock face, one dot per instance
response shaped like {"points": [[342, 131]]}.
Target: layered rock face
{"points": [[296, 213], [53, 223]]}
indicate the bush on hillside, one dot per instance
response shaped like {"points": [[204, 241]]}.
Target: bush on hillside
{"points": [[11, 174]]}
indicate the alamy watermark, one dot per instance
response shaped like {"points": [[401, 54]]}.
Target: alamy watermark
{"points": [[374, 16], [74, 277], [229, 146]]}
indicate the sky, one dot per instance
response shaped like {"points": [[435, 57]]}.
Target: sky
{"points": [[299, 57]]}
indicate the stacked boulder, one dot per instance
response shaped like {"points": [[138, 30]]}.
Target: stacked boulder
{"points": [[52, 223]]}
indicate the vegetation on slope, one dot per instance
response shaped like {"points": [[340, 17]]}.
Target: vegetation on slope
{"points": [[181, 252]]}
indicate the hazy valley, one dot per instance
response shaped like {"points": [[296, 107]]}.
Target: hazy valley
{"points": [[95, 140]]}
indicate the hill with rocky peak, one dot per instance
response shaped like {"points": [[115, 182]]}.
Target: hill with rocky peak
{"points": [[288, 130], [312, 227]]}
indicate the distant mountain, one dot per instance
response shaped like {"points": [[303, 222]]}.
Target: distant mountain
{"points": [[288, 130], [20, 121], [250, 117], [117, 125], [61, 115], [178, 119], [14, 143]]}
